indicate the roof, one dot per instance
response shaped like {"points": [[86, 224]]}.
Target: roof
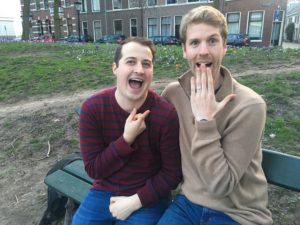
{"points": [[293, 8]]}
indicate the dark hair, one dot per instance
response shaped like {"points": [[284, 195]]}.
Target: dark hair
{"points": [[143, 41]]}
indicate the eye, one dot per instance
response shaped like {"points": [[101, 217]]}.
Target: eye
{"points": [[130, 62], [147, 64], [194, 43], [213, 41]]}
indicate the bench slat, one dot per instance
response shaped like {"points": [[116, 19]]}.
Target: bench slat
{"points": [[76, 168], [282, 169], [68, 185]]}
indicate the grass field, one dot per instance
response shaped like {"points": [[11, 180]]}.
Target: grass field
{"points": [[32, 72], [39, 69]]}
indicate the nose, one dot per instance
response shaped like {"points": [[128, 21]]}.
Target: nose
{"points": [[203, 49], [138, 68]]}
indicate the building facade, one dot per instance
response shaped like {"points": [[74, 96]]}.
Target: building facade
{"points": [[7, 29], [293, 16], [262, 20]]}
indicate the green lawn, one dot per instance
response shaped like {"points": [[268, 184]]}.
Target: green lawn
{"points": [[35, 69]]}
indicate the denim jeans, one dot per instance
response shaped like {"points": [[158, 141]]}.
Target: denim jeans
{"points": [[94, 210], [184, 212]]}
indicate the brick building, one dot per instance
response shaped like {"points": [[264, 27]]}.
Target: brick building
{"points": [[261, 20]]}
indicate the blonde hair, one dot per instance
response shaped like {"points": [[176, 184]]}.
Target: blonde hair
{"points": [[203, 14]]}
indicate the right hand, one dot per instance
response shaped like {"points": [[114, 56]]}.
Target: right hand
{"points": [[135, 124]]}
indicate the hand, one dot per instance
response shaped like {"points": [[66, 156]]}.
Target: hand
{"points": [[135, 124], [203, 99], [121, 207]]}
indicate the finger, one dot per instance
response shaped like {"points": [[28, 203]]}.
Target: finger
{"points": [[227, 99], [113, 199], [193, 86], [145, 114], [198, 80], [132, 115], [203, 78], [210, 81]]}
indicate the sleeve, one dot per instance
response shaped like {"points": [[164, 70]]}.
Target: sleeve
{"points": [[100, 161], [170, 173], [222, 161]]}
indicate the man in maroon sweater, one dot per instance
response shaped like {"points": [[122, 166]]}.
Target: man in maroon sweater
{"points": [[129, 144]]}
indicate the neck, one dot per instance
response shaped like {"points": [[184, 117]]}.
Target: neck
{"points": [[128, 104], [218, 81]]}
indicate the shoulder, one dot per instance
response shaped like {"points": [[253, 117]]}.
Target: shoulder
{"points": [[161, 107], [247, 95], [99, 100]]}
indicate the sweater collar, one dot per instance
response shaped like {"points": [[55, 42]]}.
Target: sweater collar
{"points": [[225, 89]]}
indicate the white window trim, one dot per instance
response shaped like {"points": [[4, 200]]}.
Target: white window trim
{"points": [[262, 27], [115, 27], [135, 25], [92, 5], [239, 12]]}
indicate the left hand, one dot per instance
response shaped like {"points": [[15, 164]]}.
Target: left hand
{"points": [[203, 99], [121, 206]]}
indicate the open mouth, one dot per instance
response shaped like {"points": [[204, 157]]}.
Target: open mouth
{"points": [[207, 64], [135, 83]]}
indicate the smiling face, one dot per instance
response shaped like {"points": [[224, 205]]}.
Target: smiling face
{"points": [[204, 45], [134, 75]]}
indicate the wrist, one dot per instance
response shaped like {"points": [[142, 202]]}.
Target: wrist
{"points": [[127, 139], [136, 201]]}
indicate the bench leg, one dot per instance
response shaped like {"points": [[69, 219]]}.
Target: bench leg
{"points": [[70, 211]]}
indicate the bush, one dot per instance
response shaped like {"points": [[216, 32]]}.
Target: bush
{"points": [[290, 31]]}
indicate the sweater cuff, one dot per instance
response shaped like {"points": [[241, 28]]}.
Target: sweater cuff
{"points": [[207, 129], [123, 148]]}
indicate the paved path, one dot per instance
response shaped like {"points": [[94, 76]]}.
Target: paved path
{"points": [[290, 45]]}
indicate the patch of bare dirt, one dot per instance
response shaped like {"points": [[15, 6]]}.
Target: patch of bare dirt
{"points": [[37, 124]]}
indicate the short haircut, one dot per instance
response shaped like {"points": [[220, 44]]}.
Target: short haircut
{"points": [[143, 41], [203, 14]]}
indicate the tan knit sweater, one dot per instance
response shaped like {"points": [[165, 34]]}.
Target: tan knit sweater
{"points": [[221, 159]]}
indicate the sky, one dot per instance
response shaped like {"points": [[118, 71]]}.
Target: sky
{"points": [[12, 8]]}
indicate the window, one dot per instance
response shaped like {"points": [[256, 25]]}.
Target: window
{"points": [[177, 25], [193, 0], [152, 27], [83, 5], [95, 5], [37, 5], [233, 23], [97, 30], [118, 26], [85, 28], [133, 27], [67, 3], [46, 4], [152, 2], [134, 3], [165, 26], [117, 4], [255, 24], [171, 2]]}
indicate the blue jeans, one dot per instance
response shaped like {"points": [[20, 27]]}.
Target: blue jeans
{"points": [[94, 210], [184, 212]]}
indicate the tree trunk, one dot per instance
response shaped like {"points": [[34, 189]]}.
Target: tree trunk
{"points": [[25, 18], [56, 20]]}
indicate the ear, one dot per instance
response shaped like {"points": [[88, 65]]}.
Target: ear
{"points": [[225, 48], [114, 68], [183, 50]]}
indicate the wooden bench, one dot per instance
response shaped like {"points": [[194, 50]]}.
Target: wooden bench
{"points": [[73, 182]]}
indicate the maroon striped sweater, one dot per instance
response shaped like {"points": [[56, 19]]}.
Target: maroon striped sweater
{"points": [[150, 167]]}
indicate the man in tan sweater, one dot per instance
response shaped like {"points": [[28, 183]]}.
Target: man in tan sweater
{"points": [[221, 127]]}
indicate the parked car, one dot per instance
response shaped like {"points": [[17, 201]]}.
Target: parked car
{"points": [[43, 38], [75, 38], [112, 38], [165, 40], [237, 40]]}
